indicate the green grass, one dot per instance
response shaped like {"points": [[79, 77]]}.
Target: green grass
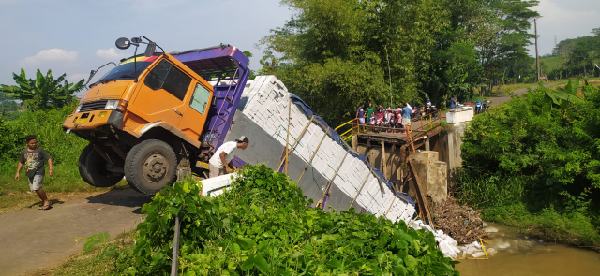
{"points": [[509, 89], [15, 194], [574, 228], [101, 259], [551, 63], [65, 179]]}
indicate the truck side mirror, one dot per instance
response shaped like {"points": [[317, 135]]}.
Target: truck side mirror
{"points": [[122, 43]]}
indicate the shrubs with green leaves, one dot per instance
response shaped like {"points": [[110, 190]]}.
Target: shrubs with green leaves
{"points": [[541, 150], [264, 225], [64, 148]]}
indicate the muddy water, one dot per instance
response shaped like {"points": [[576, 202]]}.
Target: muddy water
{"points": [[517, 255]]}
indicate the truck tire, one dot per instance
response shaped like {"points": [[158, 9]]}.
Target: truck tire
{"points": [[150, 165], [92, 168]]}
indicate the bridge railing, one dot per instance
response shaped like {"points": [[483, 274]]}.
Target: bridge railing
{"points": [[352, 127]]}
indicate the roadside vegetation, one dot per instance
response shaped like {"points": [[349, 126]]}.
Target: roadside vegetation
{"points": [[38, 106], [534, 163], [99, 257], [262, 225]]}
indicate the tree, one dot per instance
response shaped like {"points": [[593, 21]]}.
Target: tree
{"points": [[394, 51], [502, 38], [43, 92], [580, 55]]}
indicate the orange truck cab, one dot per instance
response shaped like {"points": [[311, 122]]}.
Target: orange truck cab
{"points": [[156, 113]]}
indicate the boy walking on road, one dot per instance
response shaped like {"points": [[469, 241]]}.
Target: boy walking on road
{"points": [[34, 160]]}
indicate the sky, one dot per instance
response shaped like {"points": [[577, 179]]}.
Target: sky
{"points": [[562, 19], [75, 36]]}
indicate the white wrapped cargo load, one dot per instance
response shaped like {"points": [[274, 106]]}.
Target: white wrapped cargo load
{"points": [[319, 158]]}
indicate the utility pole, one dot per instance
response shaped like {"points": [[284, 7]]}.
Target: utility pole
{"points": [[537, 56]]}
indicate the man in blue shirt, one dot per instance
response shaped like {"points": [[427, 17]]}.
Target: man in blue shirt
{"points": [[406, 116], [453, 102]]}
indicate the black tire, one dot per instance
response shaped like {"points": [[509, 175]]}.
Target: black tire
{"points": [[92, 168], [150, 165]]}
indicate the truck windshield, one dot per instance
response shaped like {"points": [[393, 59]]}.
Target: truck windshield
{"points": [[127, 71]]}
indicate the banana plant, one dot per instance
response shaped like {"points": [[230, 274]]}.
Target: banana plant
{"points": [[565, 95], [43, 92]]}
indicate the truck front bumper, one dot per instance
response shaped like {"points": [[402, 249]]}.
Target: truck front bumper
{"points": [[93, 119]]}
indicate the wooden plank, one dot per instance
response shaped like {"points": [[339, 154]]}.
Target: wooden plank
{"points": [[383, 161]]}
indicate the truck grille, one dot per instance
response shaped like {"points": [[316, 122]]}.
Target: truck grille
{"points": [[93, 105]]}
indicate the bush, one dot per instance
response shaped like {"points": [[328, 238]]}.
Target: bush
{"points": [[64, 148], [263, 225], [542, 151]]}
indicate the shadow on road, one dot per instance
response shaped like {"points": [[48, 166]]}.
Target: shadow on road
{"points": [[121, 197], [53, 201]]}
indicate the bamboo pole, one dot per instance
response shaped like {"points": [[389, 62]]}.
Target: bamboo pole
{"points": [[311, 158], [361, 188], [285, 159], [321, 202], [287, 140], [390, 208]]}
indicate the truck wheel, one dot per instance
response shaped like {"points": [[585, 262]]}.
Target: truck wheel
{"points": [[92, 168], [150, 165]]}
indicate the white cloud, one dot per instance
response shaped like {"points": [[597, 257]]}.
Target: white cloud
{"points": [[51, 56], [109, 54]]}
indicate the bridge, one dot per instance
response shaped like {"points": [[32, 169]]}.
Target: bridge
{"points": [[391, 140]]}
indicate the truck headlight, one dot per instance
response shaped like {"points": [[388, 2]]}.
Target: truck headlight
{"points": [[112, 104]]}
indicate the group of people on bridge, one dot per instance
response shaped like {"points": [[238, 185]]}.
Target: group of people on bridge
{"points": [[399, 117]]}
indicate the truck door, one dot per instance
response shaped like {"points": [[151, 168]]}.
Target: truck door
{"points": [[196, 111], [161, 97]]}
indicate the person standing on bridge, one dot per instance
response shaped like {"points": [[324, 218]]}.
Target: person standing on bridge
{"points": [[220, 161], [360, 115], [453, 102], [369, 115], [406, 117], [34, 159]]}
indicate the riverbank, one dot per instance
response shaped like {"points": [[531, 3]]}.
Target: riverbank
{"points": [[517, 254], [574, 228]]}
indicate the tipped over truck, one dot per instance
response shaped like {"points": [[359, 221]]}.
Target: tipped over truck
{"points": [[155, 113]]}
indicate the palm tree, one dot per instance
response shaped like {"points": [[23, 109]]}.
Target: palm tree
{"points": [[43, 92]]}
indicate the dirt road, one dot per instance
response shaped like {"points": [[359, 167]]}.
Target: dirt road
{"points": [[31, 239], [497, 101]]}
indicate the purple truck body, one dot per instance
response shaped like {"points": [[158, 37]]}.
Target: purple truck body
{"points": [[228, 66]]}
